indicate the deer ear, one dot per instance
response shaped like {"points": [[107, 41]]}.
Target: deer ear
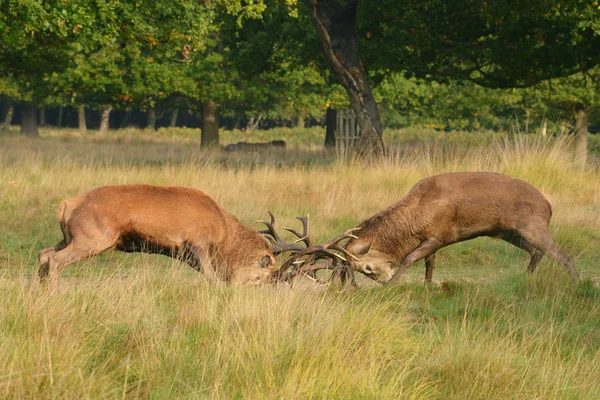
{"points": [[360, 249], [265, 262]]}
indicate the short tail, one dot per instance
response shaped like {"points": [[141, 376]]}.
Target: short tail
{"points": [[65, 211], [550, 200]]}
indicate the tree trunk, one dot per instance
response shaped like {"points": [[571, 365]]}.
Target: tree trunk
{"points": [[253, 123], [105, 119], [29, 125], [581, 131], [60, 116], [42, 116], [544, 127], [330, 127], [151, 119], [125, 120], [336, 27], [250, 125], [82, 124], [300, 121], [174, 115], [210, 124], [9, 116]]}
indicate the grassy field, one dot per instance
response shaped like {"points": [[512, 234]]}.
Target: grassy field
{"points": [[141, 326]]}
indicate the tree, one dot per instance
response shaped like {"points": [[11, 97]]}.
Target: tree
{"points": [[40, 39], [500, 44], [264, 66], [335, 24], [575, 97], [9, 93]]}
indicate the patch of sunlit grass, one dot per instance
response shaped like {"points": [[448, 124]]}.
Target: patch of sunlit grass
{"points": [[146, 326]]}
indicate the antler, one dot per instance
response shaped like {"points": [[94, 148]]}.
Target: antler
{"points": [[305, 228], [304, 258], [280, 246], [329, 249]]}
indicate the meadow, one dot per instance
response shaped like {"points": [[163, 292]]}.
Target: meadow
{"points": [[144, 326]]}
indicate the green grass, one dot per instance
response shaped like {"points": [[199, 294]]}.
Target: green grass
{"points": [[141, 326]]}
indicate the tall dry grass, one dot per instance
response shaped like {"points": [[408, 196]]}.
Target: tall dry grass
{"points": [[139, 326]]}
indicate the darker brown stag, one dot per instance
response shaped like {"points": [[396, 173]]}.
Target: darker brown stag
{"points": [[178, 222], [449, 208]]}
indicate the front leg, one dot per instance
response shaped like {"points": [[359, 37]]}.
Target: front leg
{"points": [[425, 249], [429, 263], [201, 260]]}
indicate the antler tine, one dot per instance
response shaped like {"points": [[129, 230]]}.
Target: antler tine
{"points": [[317, 253], [311, 269], [278, 245], [342, 271], [308, 267], [346, 235], [270, 228], [305, 237], [333, 244], [328, 249]]}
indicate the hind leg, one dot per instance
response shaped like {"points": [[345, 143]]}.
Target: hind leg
{"points": [[45, 254], [520, 242], [541, 241], [44, 257], [72, 253]]}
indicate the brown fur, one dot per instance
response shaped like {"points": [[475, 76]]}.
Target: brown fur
{"points": [[175, 221], [453, 207]]}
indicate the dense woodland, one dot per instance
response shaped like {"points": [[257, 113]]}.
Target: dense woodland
{"points": [[249, 64]]}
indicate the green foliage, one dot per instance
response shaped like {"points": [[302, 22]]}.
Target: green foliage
{"points": [[69, 48], [497, 44], [262, 59], [456, 105], [580, 90], [9, 88], [452, 105], [278, 72]]}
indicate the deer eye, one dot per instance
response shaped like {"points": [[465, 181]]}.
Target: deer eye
{"points": [[265, 262], [368, 269]]}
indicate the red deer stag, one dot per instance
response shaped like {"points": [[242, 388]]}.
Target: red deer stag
{"points": [[449, 208], [439, 211], [179, 222]]}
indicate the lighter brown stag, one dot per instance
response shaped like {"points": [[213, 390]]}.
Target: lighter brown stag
{"points": [[178, 222]]}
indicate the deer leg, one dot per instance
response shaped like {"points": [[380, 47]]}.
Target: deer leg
{"points": [[201, 261], [72, 253], [429, 263], [425, 249], [542, 242], [187, 255], [44, 256], [522, 243]]}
